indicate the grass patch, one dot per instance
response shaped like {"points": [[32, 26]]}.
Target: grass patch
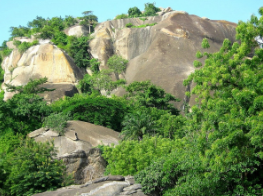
{"points": [[129, 25]]}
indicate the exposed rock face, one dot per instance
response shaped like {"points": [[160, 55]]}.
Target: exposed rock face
{"points": [[76, 148], [61, 90], [106, 186], [77, 30], [26, 39], [44, 60], [163, 53]]}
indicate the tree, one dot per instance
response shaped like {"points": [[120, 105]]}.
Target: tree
{"points": [[32, 87], [78, 51], [171, 126], [147, 94], [134, 12], [70, 21], [25, 111], [96, 109], [89, 19], [150, 9], [136, 125], [117, 64], [37, 23], [33, 169], [56, 122], [103, 81]]}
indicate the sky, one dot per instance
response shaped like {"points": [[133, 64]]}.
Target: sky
{"points": [[20, 12]]}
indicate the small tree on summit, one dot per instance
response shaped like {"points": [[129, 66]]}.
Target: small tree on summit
{"points": [[89, 19], [134, 12]]}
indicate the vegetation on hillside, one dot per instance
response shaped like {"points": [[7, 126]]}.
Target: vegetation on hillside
{"points": [[41, 28], [220, 149], [130, 25], [134, 12], [214, 149]]}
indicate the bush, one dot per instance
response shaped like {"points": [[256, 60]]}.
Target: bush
{"points": [[32, 169], [130, 157], [121, 16], [97, 110], [128, 25], [117, 64], [143, 19], [56, 122], [25, 45]]}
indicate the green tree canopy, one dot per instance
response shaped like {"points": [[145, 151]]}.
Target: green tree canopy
{"points": [[147, 94], [136, 125], [134, 12], [150, 9], [117, 64]]}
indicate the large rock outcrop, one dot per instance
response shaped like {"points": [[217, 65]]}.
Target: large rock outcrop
{"points": [[105, 186], [77, 148], [77, 30], [43, 60], [163, 53]]}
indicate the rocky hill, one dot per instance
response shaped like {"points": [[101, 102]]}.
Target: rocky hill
{"points": [[160, 49], [163, 53]]}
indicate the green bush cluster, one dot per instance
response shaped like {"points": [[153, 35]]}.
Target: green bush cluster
{"points": [[121, 16], [56, 122], [131, 156], [4, 51], [23, 46], [98, 110], [28, 167]]}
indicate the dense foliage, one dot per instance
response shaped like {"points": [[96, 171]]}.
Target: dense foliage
{"points": [[132, 156], [23, 46], [224, 128], [56, 122], [149, 95], [28, 167], [215, 149], [53, 29], [98, 110], [117, 64]]}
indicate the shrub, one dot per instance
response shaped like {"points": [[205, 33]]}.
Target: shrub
{"points": [[117, 64], [130, 157], [33, 169], [57, 122], [121, 16], [128, 25], [143, 19], [25, 45]]}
